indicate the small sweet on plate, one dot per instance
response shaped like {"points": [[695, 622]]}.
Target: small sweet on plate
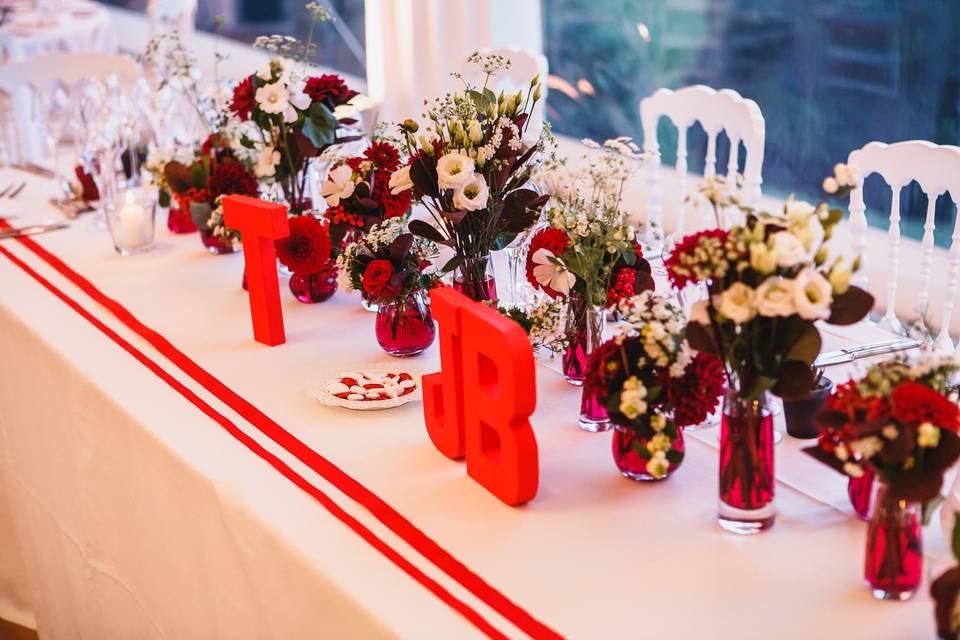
{"points": [[371, 388]]}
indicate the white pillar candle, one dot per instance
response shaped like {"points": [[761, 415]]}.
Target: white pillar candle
{"points": [[134, 225]]}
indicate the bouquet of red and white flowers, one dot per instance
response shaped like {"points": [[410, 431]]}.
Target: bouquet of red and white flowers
{"points": [[900, 420], [652, 383], [388, 263], [291, 115], [470, 169], [358, 193]]}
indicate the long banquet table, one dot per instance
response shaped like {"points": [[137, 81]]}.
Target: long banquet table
{"points": [[139, 501]]}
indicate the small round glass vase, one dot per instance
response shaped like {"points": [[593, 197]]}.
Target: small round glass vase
{"points": [[179, 220], [130, 219], [627, 447], [893, 564], [315, 287], [404, 327], [216, 245]]}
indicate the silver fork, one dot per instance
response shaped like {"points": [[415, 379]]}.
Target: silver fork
{"points": [[17, 191]]}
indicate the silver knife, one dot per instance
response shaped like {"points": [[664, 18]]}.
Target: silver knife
{"points": [[832, 358], [17, 232]]}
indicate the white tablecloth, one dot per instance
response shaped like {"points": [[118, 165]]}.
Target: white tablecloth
{"points": [[55, 27], [138, 516]]}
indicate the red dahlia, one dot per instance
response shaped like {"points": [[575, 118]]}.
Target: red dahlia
{"points": [[329, 88], [914, 403], [695, 394], [604, 366], [244, 98], [553, 240], [384, 156], [231, 178], [394, 206], [307, 249], [679, 264]]}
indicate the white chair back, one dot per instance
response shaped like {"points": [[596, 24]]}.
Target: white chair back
{"points": [[936, 168], [716, 111], [172, 15], [524, 65], [18, 130]]}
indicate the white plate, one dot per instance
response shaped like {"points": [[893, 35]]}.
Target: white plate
{"points": [[319, 392]]}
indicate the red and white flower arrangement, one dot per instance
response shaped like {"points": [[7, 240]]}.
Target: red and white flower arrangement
{"points": [[652, 382], [306, 250]]}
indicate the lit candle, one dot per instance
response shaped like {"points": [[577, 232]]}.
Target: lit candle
{"points": [[134, 224]]}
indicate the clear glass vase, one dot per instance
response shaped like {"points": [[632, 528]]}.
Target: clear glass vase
{"points": [[747, 478], [474, 279], [584, 331], [862, 492], [404, 327], [315, 287], [593, 415], [179, 220], [627, 455], [893, 566]]}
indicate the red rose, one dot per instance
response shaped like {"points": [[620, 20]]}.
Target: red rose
{"points": [[376, 280], [231, 178], [244, 98], [914, 403], [329, 88], [307, 249], [552, 239]]}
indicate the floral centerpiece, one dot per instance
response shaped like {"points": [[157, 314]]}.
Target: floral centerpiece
{"points": [[589, 254], [469, 168], [769, 281], [652, 384], [307, 253], [358, 195], [391, 268], [197, 187], [291, 115], [900, 421]]}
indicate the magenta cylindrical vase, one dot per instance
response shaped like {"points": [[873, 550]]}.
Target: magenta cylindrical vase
{"points": [[746, 465]]}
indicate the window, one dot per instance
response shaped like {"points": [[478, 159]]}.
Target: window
{"points": [[340, 44], [829, 76]]}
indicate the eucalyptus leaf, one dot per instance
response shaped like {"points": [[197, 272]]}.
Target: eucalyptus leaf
{"points": [[320, 126]]}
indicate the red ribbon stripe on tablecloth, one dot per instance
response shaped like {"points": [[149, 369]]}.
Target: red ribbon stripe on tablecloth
{"points": [[386, 514]]}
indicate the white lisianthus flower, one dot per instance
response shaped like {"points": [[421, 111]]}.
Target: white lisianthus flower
{"points": [[798, 210], [774, 297], [266, 72], [737, 303], [550, 274], [338, 186], [267, 161], [273, 98], [699, 314], [400, 180], [473, 195], [454, 170], [830, 185], [845, 174], [658, 465], [762, 258], [928, 435], [632, 398], [788, 248], [812, 295], [298, 95]]}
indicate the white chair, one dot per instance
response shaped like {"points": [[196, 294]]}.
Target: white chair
{"points": [[936, 168], [716, 111], [172, 15], [18, 130], [523, 66]]}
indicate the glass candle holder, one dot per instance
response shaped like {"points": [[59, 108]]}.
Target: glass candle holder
{"points": [[130, 214]]}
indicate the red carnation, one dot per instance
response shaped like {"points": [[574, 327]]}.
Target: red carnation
{"points": [[376, 280], [307, 249], [329, 88], [553, 240], [914, 403], [232, 178], [695, 394], [384, 156], [244, 98]]}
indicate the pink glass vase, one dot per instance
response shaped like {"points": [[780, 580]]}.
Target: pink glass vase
{"points": [[627, 447], [404, 327], [593, 415], [475, 280], [179, 220], [862, 492], [216, 245], [746, 465], [893, 566], [584, 331], [316, 287]]}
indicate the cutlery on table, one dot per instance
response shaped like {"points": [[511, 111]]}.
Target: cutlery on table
{"points": [[17, 232], [73, 207], [34, 169], [831, 358], [17, 191]]}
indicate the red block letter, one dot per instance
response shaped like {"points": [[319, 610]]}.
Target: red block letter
{"points": [[480, 402], [261, 224]]}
